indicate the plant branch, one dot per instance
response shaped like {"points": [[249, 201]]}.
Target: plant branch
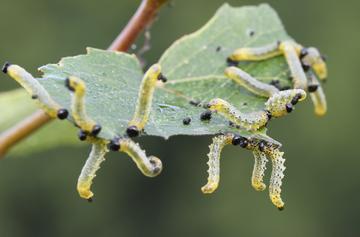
{"points": [[144, 16]]}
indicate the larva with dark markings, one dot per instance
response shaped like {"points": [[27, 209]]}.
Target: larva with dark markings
{"points": [[92, 164], [36, 90], [149, 166], [250, 83], [144, 102], [219, 142], [78, 110]]}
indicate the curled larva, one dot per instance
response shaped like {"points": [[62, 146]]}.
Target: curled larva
{"points": [[150, 166], [249, 121], [36, 90], [144, 101], [259, 170], [78, 111], [317, 96], [282, 102], [92, 164], [256, 53], [312, 57], [219, 142], [250, 83], [277, 175], [291, 53]]}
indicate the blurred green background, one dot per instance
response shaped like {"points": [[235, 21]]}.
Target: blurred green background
{"points": [[38, 191]]}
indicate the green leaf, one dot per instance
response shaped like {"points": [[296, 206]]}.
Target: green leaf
{"points": [[194, 66], [15, 106]]}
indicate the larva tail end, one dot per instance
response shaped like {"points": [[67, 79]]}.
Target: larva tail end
{"points": [[209, 188], [132, 131], [5, 67], [157, 165], [258, 186], [75, 84], [67, 85], [62, 114], [84, 191]]}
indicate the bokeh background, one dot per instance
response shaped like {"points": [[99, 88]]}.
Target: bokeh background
{"points": [[37, 191]]}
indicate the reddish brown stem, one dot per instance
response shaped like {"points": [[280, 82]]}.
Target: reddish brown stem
{"points": [[142, 18]]}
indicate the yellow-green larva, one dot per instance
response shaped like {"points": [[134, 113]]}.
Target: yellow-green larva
{"points": [[36, 90], [317, 96], [78, 109], [259, 170], [256, 53], [144, 101], [312, 57], [150, 166], [219, 142], [92, 164], [250, 83]]}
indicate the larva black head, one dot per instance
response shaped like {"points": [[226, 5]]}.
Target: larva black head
{"points": [[187, 121], [132, 131], [5, 67], [281, 208], [268, 113], [114, 144], [243, 142], [262, 146], [313, 88], [236, 140], [231, 62], [62, 114], [67, 84], [82, 135], [162, 78], [206, 115], [96, 130], [289, 107], [303, 52], [296, 98]]}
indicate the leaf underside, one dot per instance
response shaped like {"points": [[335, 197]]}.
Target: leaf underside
{"points": [[194, 66]]}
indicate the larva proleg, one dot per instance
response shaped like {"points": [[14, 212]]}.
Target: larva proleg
{"points": [[259, 170], [92, 164], [150, 166], [291, 53], [144, 101], [249, 121], [250, 83], [36, 90], [219, 142], [78, 110]]}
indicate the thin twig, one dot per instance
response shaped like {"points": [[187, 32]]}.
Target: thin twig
{"points": [[141, 19]]}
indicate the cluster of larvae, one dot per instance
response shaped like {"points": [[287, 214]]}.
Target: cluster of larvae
{"points": [[306, 64]]}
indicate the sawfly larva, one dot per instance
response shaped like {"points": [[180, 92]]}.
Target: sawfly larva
{"points": [[150, 166], [256, 53], [78, 110], [291, 54], [92, 164], [219, 142], [36, 90], [250, 83], [318, 97], [259, 170], [144, 101]]}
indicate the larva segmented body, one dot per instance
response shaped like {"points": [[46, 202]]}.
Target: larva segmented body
{"points": [[259, 170], [78, 110], [291, 54], [144, 101], [249, 121], [277, 175], [318, 97], [36, 90], [92, 164], [214, 155], [244, 79], [256, 53], [149, 166]]}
